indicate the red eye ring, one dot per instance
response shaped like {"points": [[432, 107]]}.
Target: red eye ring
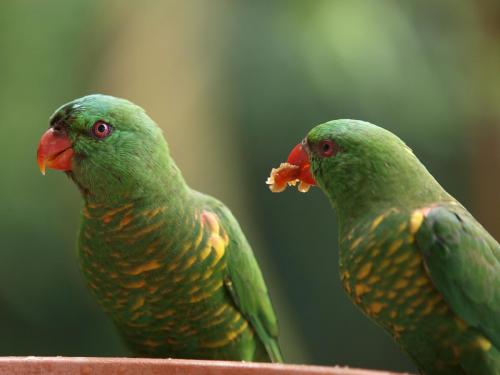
{"points": [[327, 148], [101, 129]]}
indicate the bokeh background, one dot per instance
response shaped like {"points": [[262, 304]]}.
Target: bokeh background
{"points": [[234, 85]]}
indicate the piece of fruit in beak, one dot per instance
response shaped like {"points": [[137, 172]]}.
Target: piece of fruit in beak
{"points": [[296, 169], [54, 151]]}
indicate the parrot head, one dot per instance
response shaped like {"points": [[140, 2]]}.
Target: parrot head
{"points": [[105, 144], [351, 154], [356, 164]]}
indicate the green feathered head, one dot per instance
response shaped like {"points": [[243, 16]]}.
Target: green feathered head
{"points": [[359, 166], [350, 155], [108, 146]]}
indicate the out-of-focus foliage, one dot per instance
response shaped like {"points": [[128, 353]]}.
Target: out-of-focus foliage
{"points": [[235, 84]]}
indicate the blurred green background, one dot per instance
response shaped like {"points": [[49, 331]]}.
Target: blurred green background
{"points": [[234, 85]]}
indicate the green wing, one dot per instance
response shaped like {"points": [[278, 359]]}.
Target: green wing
{"points": [[463, 261], [246, 285]]}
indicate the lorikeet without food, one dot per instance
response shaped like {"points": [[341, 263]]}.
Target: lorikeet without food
{"points": [[411, 257], [170, 265]]}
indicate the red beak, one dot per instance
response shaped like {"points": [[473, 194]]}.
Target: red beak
{"points": [[296, 169], [54, 151], [300, 158]]}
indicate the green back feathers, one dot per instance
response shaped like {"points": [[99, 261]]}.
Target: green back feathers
{"points": [[463, 261]]}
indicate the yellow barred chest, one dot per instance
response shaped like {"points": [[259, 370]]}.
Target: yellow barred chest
{"points": [[161, 290], [383, 272]]}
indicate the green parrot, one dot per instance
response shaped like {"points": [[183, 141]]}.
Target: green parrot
{"points": [[169, 265], [412, 258]]}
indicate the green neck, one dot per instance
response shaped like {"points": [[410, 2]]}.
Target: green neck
{"points": [[147, 181], [167, 187], [396, 182]]}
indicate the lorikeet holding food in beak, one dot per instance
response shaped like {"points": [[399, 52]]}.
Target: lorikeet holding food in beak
{"points": [[411, 256]]}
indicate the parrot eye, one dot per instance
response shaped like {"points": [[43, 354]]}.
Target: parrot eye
{"points": [[101, 130], [327, 148]]}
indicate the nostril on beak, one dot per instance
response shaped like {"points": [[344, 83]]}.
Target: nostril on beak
{"points": [[58, 128]]}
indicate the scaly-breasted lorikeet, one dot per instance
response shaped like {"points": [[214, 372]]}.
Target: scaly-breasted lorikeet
{"points": [[411, 257], [170, 265]]}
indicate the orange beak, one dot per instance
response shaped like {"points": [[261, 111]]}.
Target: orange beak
{"points": [[54, 151], [300, 158], [296, 169]]}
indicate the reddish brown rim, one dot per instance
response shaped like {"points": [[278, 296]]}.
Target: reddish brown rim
{"points": [[132, 366]]}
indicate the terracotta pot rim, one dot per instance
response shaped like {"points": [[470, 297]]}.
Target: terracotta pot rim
{"points": [[153, 366]]}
